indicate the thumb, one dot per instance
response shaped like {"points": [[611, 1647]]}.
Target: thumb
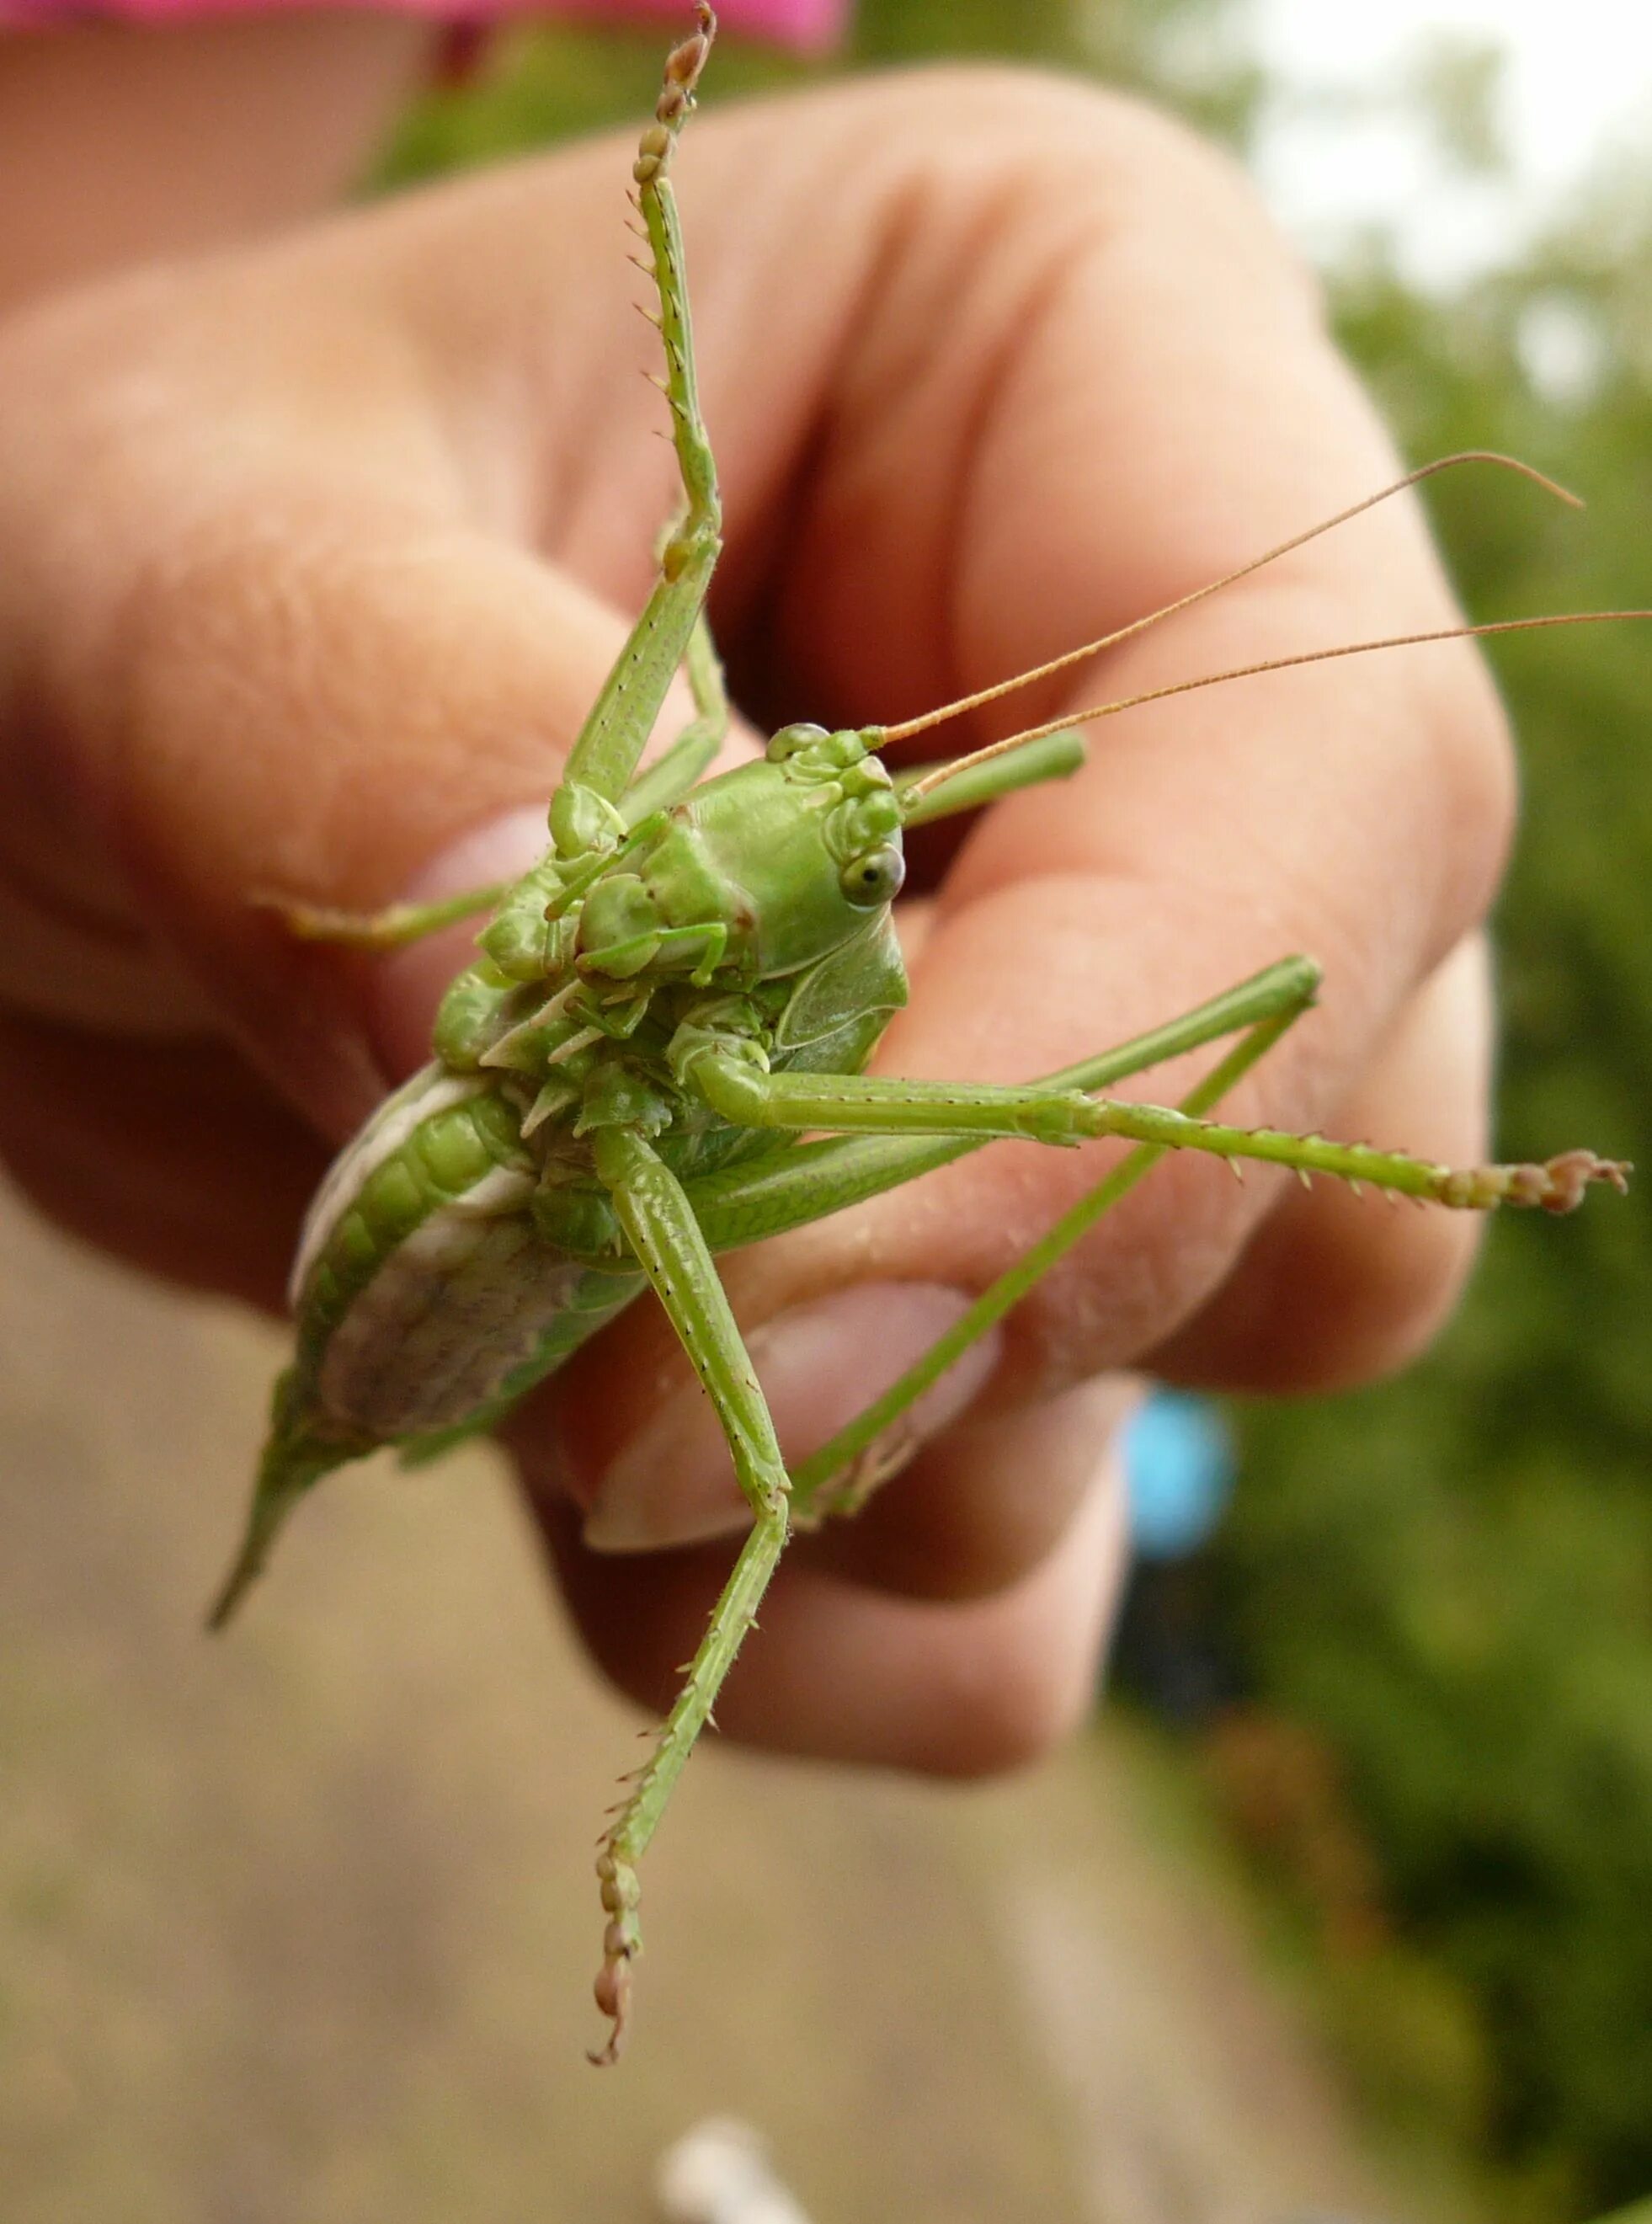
{"points": [[355, 714]]}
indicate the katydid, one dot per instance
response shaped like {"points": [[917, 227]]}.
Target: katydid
{"points": [[658, 1055]]}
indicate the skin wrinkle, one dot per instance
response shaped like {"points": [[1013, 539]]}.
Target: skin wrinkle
{"points": [[1270, 502], [583, 505], [191, 1145], [1097, 266], [980, 1517], [171, 588], [141, 431], [585, 508], [68, 907], [40, 856], [330, 673], [495, 426]]}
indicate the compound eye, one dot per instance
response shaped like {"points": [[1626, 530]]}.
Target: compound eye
{"points": [[874, 879], [790, 739]]}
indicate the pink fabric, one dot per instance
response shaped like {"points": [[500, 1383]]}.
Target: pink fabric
{"points": [[808, 25]]}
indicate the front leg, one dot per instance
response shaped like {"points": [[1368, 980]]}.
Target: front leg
{"points": [[660, 1225], [696, 950], [393, 928]]}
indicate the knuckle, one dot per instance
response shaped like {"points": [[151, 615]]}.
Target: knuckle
{"points": [[1176, 194], [1110, 165]]}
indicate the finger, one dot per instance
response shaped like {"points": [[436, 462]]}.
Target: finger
{"points": [[847, 1673], [175, 1158], [982, 1505], [1174, 407], [201, 138]]}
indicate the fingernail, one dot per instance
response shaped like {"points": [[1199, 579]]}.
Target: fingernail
{"points": [[819, 1365], [408, 984]]}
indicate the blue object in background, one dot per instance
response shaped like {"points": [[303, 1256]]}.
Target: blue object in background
{"points": [[1179, 1470]]}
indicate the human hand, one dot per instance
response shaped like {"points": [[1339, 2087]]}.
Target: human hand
{"points": [[311, 561]]}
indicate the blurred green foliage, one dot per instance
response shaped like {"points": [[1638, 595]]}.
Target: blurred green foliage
{"points": [[1451, 1577], [1439, 1593]]}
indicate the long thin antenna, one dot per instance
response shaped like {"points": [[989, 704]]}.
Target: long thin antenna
{"points": [[1228, 580], [943, 772]]}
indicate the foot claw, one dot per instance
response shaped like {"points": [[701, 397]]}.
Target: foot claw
{"points": [[1567, 1177], [613, 1994], [621, 1944]]}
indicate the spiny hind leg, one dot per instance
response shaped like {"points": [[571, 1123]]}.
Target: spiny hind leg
{"points": [[660, 1225]]}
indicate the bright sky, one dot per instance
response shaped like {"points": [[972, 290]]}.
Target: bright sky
{"points": [[1579, 82]]}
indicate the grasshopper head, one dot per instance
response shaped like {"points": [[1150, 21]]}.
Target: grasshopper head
{"points": [[861, 830], [794, 856]]}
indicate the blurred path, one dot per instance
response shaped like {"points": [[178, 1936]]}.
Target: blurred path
{"points": [[298, 1926]]}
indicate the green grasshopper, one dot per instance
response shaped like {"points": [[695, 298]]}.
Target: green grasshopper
{"points": [[658, 1055]]}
